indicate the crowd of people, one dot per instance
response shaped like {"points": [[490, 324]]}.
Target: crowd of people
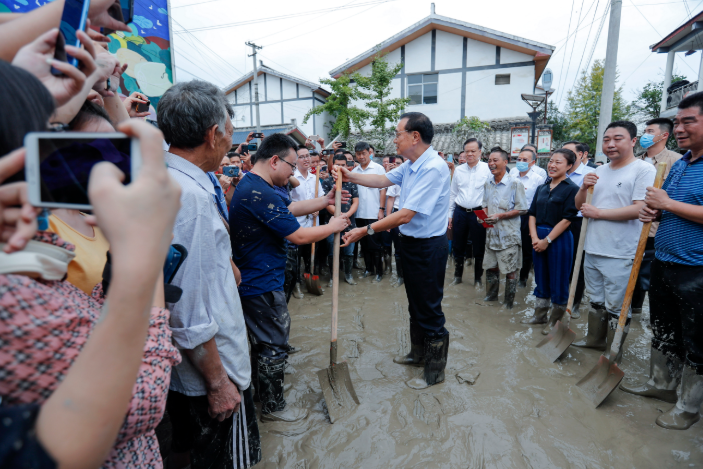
{"points": [[113, 355]]}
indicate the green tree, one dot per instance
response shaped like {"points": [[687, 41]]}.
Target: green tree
{"points": [[472, 127], [583, 106], [375, 90], [560, 126], [647, 104], [339, 106]]}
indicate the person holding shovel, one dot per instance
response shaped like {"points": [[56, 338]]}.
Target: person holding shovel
{"points": [[676, 291], [613, 231], [424, 203]]}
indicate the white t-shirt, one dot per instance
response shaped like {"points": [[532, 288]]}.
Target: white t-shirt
{"points": [[369, 197], [394, 191], [616, 189]]}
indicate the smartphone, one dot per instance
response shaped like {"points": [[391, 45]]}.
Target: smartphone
{"points": [[344, 144], [314, 138], [73, 19], [258, 135], [141, 107], [252, 147], [326, 152], [231, 171], [58, 165], [323, 169], [450, 158], [127, 7], [176, 255], [391, 159], [350, 164]]}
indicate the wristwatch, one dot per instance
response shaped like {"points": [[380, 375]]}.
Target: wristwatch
{"points": [[370, 230], [548, 240]]}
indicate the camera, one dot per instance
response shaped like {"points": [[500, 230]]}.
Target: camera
{"points": [[252, 147], [258, 135], [231, 171]]}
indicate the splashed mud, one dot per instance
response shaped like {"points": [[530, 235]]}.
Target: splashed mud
{"points": [[522, 412]]}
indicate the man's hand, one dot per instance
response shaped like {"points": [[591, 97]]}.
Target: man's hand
{"points": [[225, 182], [657, 199], [449, 225], [346, 196], [18, 219], [589, 211], [493, 219], [250, 137], [108, 67], [223, 399], [589, 180], [321, 141], [99, 16], [346, 174], [647, 214], [352, 236], [381, 214], [129, 104], [336, 145], [339, 223]]}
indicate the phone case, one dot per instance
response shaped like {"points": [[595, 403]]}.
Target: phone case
{"points": [[481, 215]]}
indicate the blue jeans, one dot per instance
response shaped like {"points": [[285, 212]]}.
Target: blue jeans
{"points": [[345, 251]]}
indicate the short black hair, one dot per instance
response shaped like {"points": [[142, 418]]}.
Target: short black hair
{"points": [[300, 147], [275, 144], [345, 152], [629, 126], [580, 147], [420, 123], [361, 146], [400, 157], [89, 112], [585, 147], [665, 125], [471, 140], [534, 147], [339, 157], [693, 99], [568, 154], [530, 151], [503, 154], [372, 147]]}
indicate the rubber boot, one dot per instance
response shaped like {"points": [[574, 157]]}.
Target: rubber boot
{"points": [[478, 272], [458, 271], [522, 283], [378, 264], [636, 313], [416, 357], [687, 410], [329, 285], [347, 264], [255, 376], [597, 329], [610, 336], [387, 264], [555, 315], [273, 404], [664, 377], [436, 351], [492, 285], [297, 292], [576, 311], [541, 311], [399, 270], [510, 289]]}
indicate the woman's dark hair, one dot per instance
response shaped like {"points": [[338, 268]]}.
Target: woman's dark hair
{"points": [[26, 106], [568, 154], [420, 123], [89, 112]]}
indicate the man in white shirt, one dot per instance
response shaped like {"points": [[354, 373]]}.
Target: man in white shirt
{"points": [[392, 206], [578, 171], [465, 196], [306, 191], [371, 209], [613, 231], [535, 168]]}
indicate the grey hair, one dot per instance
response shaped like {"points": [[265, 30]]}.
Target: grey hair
{"points": [[187, 110]]}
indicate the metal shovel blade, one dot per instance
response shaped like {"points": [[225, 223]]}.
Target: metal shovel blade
{"points": [[313, 284], [556, 342], [601, 380], [338, 390]]}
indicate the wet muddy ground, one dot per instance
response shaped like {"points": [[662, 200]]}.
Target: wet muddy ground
{"points": [[521, 412]]}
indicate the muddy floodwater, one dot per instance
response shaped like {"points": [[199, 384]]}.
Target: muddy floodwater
{"points": [[521, 411]]}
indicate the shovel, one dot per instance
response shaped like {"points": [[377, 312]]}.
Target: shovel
{"points": [[336, 384], [560, 337], [606, 375], [312, 282]]}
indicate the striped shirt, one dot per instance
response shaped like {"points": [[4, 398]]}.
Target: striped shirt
{"points": [[678, 239], [210, 305]]}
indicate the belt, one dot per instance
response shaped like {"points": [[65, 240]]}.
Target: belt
{"points": [[412, 238], [469, 210]]}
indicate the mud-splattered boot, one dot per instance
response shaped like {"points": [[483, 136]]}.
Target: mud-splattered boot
{"points": [[687, 410], [492, 285], [297, 293], [347, 264], [458, 271], [541, 311], [436, 352], [378, 266], [597, 329], [576, 311], [610, 336], [416, 357], [510, 289], [664, 377], [329, 284], [273, 404], [555, 315]]}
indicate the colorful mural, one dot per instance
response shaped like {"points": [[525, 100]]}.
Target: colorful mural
{"points": [[147, 49]]}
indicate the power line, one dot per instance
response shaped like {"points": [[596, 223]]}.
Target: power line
{"points": [[645, 18], [586, 45], [566, 46], [561, 95]]}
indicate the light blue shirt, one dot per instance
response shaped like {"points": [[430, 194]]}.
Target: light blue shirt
{"points": [[424, 190]]}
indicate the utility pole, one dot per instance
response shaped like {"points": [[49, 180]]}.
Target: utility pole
{"points": [[254, 48], [611, 59]]}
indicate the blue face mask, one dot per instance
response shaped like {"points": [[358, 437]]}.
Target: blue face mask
{"points": [[522, 166], [646, 141]]}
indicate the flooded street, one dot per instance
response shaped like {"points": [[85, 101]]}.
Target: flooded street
{"points": [[521, 411]]}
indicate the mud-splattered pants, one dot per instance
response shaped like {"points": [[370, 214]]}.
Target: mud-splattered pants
{"points": [[268, 325], [676, 311]]}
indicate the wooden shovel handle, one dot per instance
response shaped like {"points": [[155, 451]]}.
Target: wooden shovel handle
{"points": [[636, 263], [314, 220], [335, 259], [577, 265]]}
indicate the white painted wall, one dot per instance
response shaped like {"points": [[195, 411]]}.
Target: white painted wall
{"points": [[487, 100], [480, 53], [418, 54], [288, 89], [273, 87], [449, 49], [508, 56]]}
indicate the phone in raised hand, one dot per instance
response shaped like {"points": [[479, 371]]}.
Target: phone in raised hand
{"points": [[73, 19], [58, 165]]}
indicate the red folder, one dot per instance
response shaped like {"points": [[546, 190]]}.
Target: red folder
{"points": [[481, 215]]}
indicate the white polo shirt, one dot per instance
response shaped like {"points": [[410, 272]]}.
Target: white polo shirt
{"points": [[531, 181], [306, 191], [369, 197], [467, 186]]}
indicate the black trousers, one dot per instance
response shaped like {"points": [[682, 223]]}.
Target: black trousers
{"points": [[305, 253], [466, 227], [675, 304], [575, 229], [395, 236], [292, 271], [370, 245], [268, 325], [526, 247], [642, 285], [208, 440], [424, 264]]}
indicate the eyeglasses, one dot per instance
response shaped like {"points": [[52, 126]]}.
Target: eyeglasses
{"points": [[307, 157], [289, 164], [398, 134]]}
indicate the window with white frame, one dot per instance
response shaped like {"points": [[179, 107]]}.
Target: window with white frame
{"points": [[422, 89]]}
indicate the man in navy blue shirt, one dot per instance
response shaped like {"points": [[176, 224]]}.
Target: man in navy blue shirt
{"points": [[676, 290], [260, 219]]}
